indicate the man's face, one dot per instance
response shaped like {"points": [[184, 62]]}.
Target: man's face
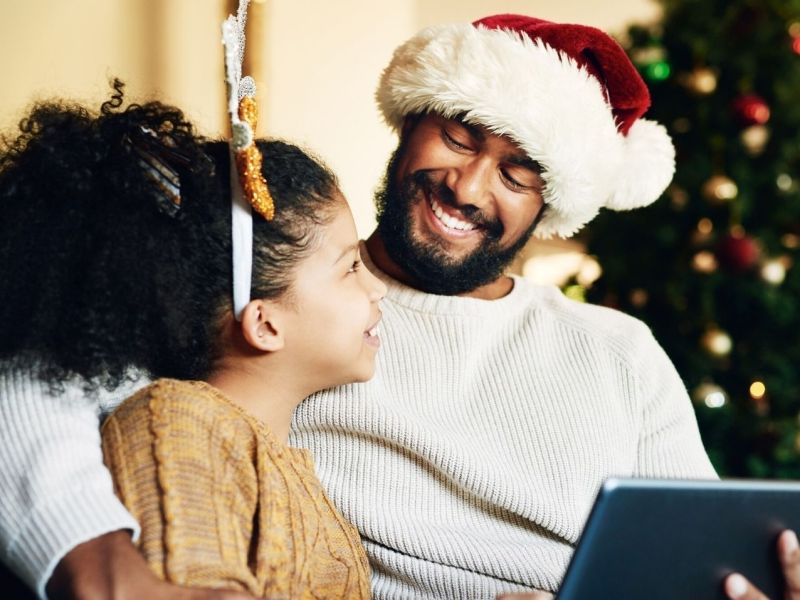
{"points": [[457, 204]]}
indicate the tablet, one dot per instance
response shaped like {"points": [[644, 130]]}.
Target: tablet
{"points": [[659, 539]]}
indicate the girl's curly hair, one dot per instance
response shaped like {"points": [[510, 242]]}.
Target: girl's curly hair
{"points": [[97, 279]]}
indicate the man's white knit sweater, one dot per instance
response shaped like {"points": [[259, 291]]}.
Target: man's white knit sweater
{"points": [[468, 464]]}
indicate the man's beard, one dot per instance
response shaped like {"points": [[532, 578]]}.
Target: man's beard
{"points": [[428, 263]]}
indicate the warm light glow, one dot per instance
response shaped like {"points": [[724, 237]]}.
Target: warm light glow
{"points": [[705, 226], [737, 231], [726, 190], [784, 182], [705, 81], [639, 297], [704, 262], [773, 271], [796, 45], [717, 342], [589, 271], [755, 138], [757, 390], [556, 268], [790, 240]]}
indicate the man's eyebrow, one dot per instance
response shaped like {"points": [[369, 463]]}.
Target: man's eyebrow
{"points": [[346, 251], [523, 160], [475, 131]]}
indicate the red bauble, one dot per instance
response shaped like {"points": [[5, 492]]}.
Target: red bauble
{"points": [[751, 109], [738, 253]]}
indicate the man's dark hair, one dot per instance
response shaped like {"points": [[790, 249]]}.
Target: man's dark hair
{"points": [[96, 278]]}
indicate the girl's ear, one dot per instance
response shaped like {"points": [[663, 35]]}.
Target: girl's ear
{"points": [[262, 325]]}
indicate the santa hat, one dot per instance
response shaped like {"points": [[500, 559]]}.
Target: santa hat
{"points": [[567, 94]]}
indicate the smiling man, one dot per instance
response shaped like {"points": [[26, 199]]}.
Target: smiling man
{"points": [[470, 462]]}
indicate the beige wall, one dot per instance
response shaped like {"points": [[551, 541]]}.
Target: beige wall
{"points": [[317, 62]]}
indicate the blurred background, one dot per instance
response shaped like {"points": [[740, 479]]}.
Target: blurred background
{"points": [[711, 267]]}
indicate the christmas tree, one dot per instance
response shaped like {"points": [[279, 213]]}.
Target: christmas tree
{"points": [[713, 267]]}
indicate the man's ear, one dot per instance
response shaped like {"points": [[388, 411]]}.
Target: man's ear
{"points": [[262, 325]]}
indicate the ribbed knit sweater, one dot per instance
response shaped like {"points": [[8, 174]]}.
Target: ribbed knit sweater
{"points": [[222, 503], [470, 462], [55, 491]]}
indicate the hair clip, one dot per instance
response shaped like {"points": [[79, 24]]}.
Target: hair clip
{"points": [[156, 158]]}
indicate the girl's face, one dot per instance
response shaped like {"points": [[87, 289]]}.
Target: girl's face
{"points": [[333, 325]]}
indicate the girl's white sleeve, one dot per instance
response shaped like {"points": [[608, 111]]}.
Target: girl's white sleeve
{"points": [[55, 491]]}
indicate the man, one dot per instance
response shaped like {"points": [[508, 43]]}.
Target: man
{"points": [[471, 460]]}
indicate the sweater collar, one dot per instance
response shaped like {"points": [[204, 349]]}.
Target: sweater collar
{"points": [[401, 294]]}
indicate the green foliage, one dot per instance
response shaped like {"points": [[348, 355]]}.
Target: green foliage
{"points": [[747, 49]]}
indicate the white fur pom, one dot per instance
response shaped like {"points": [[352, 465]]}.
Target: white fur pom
{"points": [[647, 169]]}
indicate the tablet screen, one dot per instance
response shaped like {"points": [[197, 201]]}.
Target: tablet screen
{"points": [[678, 539]]}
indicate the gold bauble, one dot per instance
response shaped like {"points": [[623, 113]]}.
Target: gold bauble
{"points": [[755, 138], [704, 262], [702, 81], [720, 189], [716, 342]]}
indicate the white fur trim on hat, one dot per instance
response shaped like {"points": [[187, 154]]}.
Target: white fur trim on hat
{"points": [[554, 109]]}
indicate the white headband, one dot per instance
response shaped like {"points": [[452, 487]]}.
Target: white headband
{"points": [[248, 188]]}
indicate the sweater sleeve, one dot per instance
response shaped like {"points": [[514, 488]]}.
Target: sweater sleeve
{"points": [[669, 442], [55, 491], [186, 470]]}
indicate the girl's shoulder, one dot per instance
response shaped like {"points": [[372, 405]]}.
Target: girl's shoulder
{"points": [[175, 403]]}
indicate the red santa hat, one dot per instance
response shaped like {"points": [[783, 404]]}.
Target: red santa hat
{"points": [[567, 94]]}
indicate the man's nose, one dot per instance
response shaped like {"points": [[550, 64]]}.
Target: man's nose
{"points": [[470, 182]]}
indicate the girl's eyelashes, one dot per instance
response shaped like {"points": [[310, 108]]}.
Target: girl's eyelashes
{"points": [[355, 266]]}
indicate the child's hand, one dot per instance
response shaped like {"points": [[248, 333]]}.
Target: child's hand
{"points": [[110, 567]]}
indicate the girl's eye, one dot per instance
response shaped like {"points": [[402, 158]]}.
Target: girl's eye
{"points": [[451, 141], [355, 266]]}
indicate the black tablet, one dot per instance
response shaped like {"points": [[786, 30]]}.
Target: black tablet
{"points": [[671, 539]]}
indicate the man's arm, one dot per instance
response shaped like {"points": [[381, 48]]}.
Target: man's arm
{"points": [[59, 515], [55, 492], [110, 567], [669, 440]]}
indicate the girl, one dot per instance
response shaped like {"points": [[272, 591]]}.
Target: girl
{"points": [[116, 258]]}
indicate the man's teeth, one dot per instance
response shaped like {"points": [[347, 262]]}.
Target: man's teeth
{"points": [[449, 220]]}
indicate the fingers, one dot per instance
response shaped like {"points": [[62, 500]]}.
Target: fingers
{"points": [[738, 588], [789, 555]]}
